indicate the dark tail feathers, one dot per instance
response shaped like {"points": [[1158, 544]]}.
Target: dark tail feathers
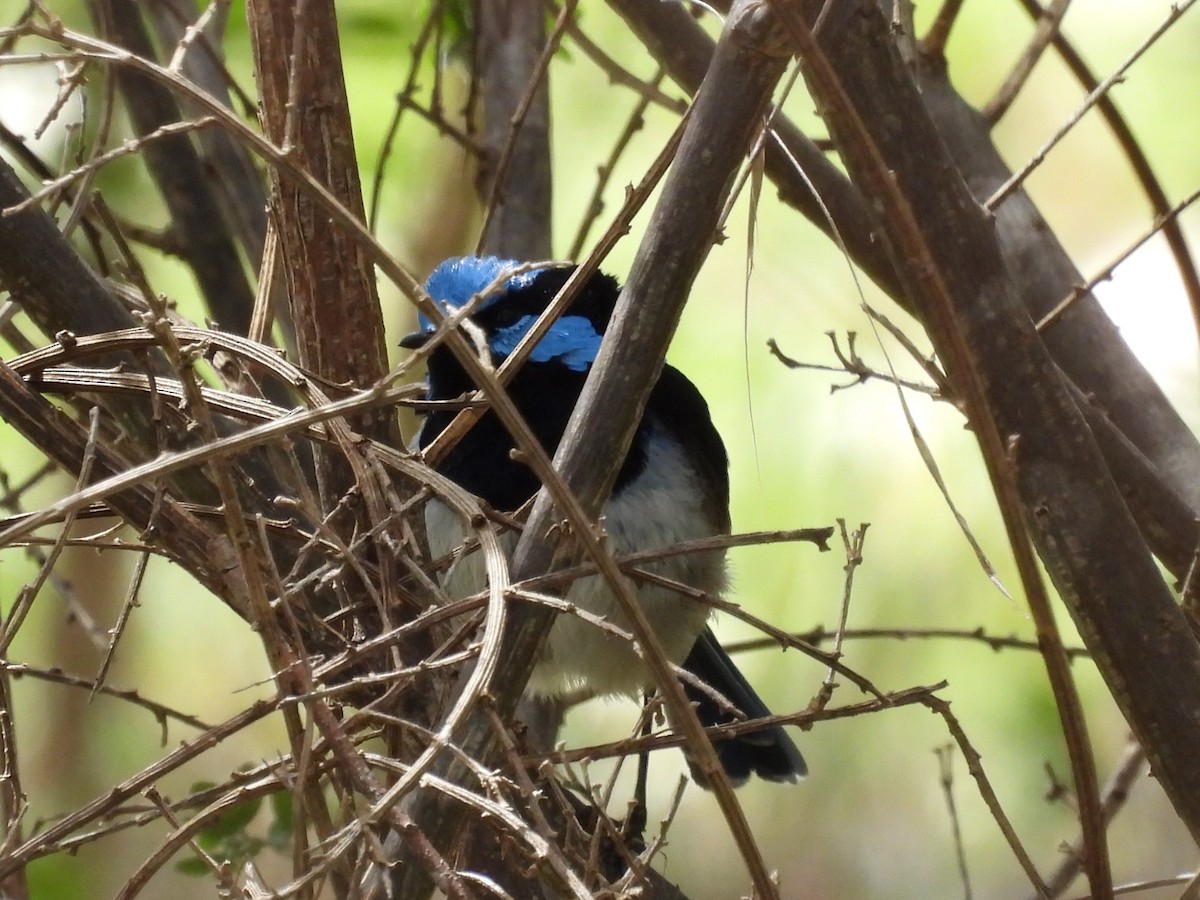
{"points": [[770, 753]]}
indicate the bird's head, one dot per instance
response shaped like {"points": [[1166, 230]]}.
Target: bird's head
{"points": [[509, 304]]}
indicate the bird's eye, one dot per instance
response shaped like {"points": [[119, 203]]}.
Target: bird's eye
{"points": [[503, 314]]}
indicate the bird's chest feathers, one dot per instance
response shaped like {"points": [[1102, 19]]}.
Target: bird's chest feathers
{"points": [[659, 508]]}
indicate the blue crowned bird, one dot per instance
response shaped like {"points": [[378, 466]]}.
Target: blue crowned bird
{"points": [[672, 487]]}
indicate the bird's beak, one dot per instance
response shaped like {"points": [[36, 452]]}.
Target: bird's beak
{"points": [[415, 340]]}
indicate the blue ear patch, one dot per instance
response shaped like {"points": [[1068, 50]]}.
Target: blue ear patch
{"points": [[458, 279], [572, 340]]}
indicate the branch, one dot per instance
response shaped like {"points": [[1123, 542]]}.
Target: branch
{"points": [[1037, 262], [46, 275], [1084, 342], [335, 306], [186, 186], [188, 542], [515, 176], [723, 124], [799, 169], [1034, 439]]}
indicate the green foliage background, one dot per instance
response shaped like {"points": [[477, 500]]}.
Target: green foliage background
{"points": [[871, 821]]}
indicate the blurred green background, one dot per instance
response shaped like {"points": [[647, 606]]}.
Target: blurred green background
{"points": [[871, 820]]}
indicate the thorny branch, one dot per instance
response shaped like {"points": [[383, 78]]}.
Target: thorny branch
{"points": [[353, 624]]}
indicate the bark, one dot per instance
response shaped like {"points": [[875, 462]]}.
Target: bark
{"points": [[680, 233], [515, 172], [1087, 539], [330, 278], [197, 223], [1157, 443]]}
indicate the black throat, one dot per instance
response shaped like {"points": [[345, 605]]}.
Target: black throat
{"points": [[482, 462]]}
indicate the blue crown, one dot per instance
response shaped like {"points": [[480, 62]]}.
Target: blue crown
{"points": [[572, 340], [459, 278]]}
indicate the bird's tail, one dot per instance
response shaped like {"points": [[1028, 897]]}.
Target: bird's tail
{"points": [[769, 753]]}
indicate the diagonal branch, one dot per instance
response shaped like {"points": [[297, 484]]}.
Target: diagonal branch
{"points": [[515, 175], [1037, 262], [335, 306], [1033, 436], [723, 126], [196, 219]]}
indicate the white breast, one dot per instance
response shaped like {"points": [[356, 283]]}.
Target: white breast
{"points": [[658, 509]]}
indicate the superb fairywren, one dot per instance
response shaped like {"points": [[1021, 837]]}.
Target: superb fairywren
{"points": [[673, 487]]}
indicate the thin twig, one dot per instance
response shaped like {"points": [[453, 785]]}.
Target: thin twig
{"points": [[851, 364], [987, 792], [1116, 792], [131, 600], [1138, 161], [29, 592], [629, 746], [938, 34], [649, 91], [1082, 291], [595, 204], [160, 711], [1018, 177], [1044, 34], [820, 635], [403, 101], [945, 757], [853, 545]]}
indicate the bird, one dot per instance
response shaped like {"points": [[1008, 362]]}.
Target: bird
{"points": [[672, 487]]}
